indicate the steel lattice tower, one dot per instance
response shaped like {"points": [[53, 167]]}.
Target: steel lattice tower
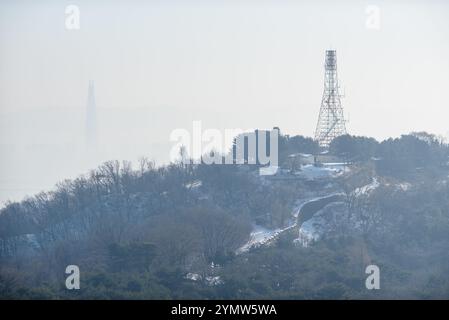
{"points": [[331, 122]]}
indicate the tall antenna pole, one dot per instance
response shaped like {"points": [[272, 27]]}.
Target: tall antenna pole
{"points": [[331, 122]]}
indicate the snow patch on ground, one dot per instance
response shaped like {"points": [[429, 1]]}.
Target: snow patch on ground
{"points": [[404, 186], [209, 280], [193, 276], [214, 280], [261, 236], [327, 170], [312, 229], [194, 184], [367, 188], [268, 171], [307, 233]]}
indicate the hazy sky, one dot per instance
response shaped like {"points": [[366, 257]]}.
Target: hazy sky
{"points": [[231, 64]]}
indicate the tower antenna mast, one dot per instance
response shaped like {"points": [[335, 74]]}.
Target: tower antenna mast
{"points": [[331, 122]]}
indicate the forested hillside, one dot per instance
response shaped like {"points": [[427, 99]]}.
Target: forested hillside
{"points": [[177, 231]]}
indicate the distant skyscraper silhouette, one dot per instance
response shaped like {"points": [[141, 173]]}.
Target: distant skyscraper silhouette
{"points": [[91, 119]]}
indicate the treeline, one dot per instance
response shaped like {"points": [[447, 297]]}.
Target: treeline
{"points": [[117, 219], [173, 231], [402, 157]]}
